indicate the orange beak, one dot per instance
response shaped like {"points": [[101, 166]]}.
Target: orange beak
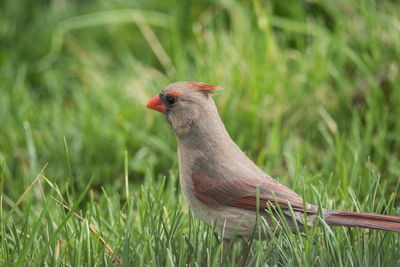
{"points": [[156, 104]]}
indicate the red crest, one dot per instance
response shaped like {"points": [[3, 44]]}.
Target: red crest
{"points": [[205, 88]]}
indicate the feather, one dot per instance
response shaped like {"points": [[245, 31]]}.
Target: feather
{"points": [[363, 220], [215, 192], [205, 88]]}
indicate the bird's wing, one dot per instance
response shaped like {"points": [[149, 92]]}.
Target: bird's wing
{"points": [[242, 193]]}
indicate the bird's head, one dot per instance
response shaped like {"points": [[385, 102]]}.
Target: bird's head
{"points": [[184, 103]]}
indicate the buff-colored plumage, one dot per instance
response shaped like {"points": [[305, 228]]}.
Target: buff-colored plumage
{"points": [[219, 182]]}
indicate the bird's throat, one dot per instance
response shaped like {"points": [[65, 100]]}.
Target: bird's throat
{"points": [[208, 137]]}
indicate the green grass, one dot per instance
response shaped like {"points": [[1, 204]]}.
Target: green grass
{"points": [[311, 93]]}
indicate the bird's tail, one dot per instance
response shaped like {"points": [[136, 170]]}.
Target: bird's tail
{"points": [[363, 220]]}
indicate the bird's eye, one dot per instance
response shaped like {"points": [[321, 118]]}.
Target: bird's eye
{"points": [[170, 99]]}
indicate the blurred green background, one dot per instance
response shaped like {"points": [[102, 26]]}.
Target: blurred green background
{"points": [[314, 83], [311, 88]]}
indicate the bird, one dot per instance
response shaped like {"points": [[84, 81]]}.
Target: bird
{"points": [[223, 187]]}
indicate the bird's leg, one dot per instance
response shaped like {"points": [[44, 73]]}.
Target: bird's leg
{"points": [[245, 250], [225, 242]]}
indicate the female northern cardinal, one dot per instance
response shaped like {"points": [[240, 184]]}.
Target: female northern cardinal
{"points": [[219, 182]]}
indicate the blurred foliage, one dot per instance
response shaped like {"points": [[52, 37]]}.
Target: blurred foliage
{"points": [[314, 83]]}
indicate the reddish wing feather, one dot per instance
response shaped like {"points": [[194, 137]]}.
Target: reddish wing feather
{"points": [[243, 193]]}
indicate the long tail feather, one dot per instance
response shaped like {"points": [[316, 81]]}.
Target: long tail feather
{"points": [[363, 220]]}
